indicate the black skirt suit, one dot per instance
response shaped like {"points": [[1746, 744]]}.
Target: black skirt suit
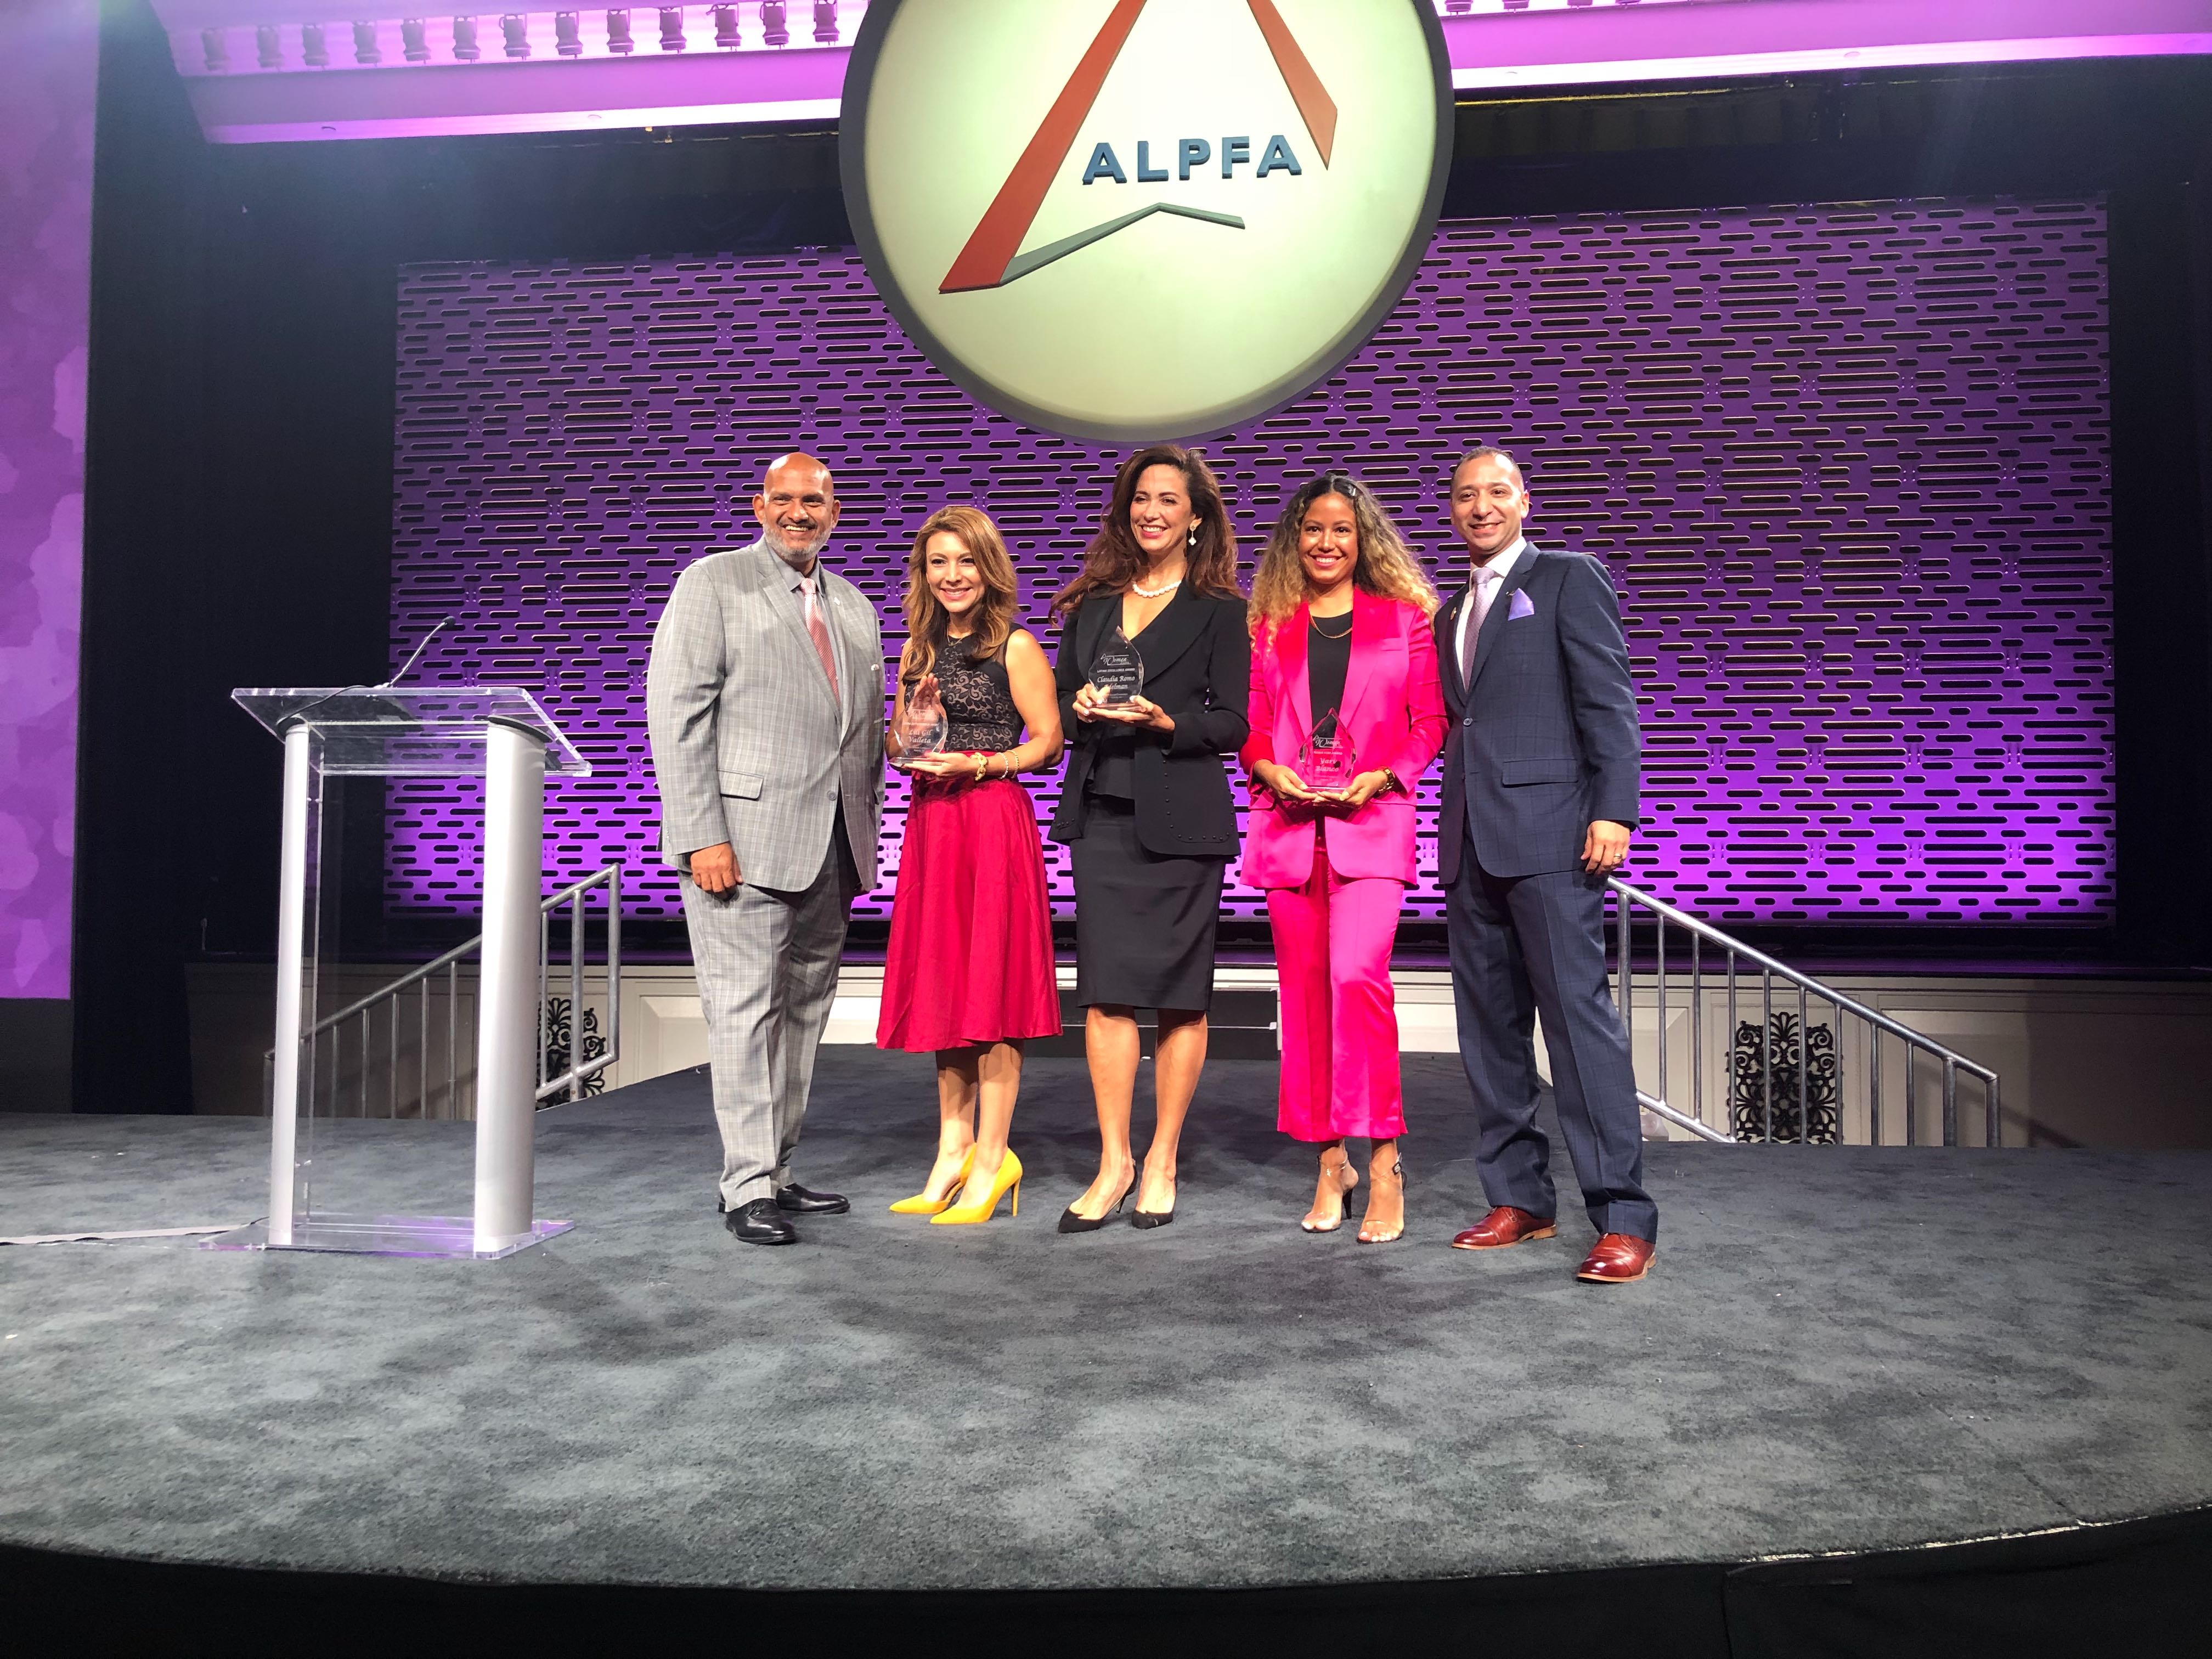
{"points": [[1147, 815]]}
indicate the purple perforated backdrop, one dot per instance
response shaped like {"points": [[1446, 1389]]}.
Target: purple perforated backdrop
{"points": [[1848, 464], [49, 64]]}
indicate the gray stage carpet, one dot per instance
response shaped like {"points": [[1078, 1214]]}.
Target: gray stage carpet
{"points": [[1838, 1351]]}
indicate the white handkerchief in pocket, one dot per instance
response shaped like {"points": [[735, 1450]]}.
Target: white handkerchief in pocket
{"points": [[1521, 606]]}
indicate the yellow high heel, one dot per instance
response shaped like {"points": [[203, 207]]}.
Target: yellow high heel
{"points": [[961, 1215], [922, 1203]]}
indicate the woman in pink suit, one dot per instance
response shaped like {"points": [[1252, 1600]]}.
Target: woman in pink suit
{"points": [[1342, 647]]}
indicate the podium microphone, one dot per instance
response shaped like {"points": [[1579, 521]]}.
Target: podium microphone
{"points": [[415, 655], [302, 712]]}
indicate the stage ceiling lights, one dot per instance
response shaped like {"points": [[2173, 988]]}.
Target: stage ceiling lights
{"points": [[278, 70]]}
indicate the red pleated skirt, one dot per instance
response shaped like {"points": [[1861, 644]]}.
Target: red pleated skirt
{"points": [[970, 961]]}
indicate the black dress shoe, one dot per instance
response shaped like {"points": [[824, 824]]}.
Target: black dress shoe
{"points": [[760, 1223], [796, 1199]]}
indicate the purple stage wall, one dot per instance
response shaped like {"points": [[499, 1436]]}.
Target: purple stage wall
{"points": [[49, 57], [1848, 464]]}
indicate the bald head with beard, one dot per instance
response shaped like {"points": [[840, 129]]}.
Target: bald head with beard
{"points": [[797, 508]]}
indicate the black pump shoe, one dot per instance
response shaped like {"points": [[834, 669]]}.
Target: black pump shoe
{"points": [[1145, 1218], [1071, 1222]]}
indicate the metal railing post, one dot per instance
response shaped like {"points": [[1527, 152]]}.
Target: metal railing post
{"points": [[576, 997], [1732, 1021], [453, 1040], [1873, 1085], [614, 961], [1766, 1052], [1804, 1068], [1697, 1030], [1659, 947]]}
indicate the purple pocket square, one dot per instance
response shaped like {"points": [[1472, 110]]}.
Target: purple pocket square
{"points": [[1520, 607]]}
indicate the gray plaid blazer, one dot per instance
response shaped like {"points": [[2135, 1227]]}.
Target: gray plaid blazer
{"points": [[748, 745]]}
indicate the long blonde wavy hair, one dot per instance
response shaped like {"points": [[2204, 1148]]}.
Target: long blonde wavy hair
{"points": [[927, 623], [1385, 565]]}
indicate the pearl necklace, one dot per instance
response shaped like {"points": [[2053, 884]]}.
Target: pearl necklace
{"points": [[1145, 593]]}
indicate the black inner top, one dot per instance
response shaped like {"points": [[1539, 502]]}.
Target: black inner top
{"points": [[1327, 661], [1114, 763], [979, 699]]}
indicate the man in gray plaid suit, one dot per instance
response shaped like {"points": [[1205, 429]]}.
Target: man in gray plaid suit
{"points": [[764, 699]]}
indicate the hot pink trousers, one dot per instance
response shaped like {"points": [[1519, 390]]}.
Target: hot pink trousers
{"points": [[1333, 939]]}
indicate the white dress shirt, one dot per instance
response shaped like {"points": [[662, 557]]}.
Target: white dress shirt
{"points": [[1489, 577]]}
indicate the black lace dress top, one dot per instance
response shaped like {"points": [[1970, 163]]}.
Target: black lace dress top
{"points": [[979, 699]]}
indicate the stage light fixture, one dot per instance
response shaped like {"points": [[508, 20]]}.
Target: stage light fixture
{"points": [[514, 31], [726, 28], [413, 40], [825, 23], [618, 40], [365, 49], [671, 28], [775, 30], [568, 34]]}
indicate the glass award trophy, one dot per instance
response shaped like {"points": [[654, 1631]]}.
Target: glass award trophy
{"points": [[924, 727], [1117, 670], [1327, 763]]}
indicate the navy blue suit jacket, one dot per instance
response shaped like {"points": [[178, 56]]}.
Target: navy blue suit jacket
{"points": [[1545, 741]]}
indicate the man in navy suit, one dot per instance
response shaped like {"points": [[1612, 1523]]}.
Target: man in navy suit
{"points": [[1539, 795]]}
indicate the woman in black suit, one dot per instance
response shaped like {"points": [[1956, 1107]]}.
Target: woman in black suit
{"points": [[1145, 806]]}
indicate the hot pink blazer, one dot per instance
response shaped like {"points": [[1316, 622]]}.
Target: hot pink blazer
{"points": [[1393, 710]]}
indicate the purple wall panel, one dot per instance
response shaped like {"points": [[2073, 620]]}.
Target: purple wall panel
{"points": [[49, 55], [1848, 464]]}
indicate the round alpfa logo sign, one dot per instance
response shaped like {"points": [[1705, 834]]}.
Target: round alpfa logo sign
{"points": [[1133, 220]]}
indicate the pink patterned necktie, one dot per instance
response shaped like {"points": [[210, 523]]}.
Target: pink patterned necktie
{"points": [[820, 630], [1477, 608]]}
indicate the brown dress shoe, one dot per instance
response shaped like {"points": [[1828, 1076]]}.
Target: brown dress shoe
{"points": [[1502, 1226], [1617, 1259]]}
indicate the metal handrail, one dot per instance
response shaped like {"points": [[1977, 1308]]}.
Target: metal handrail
{"points": [[579, 1072], [1629, 898]]}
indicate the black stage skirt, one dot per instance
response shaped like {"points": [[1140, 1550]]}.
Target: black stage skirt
{"points": [[1144, 923]]}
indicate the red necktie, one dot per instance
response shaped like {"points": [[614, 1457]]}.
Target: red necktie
{"points": [[820, 630]]}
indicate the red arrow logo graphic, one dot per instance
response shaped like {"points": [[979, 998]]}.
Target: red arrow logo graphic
{"points": [[990, 257]]}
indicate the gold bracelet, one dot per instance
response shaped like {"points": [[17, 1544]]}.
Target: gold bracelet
{"points": [[982, 767]]}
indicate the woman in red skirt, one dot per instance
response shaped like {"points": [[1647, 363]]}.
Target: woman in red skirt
{"points": [[968, 976]]}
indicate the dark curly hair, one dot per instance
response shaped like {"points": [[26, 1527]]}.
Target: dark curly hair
{"points": [[1114, 560]]}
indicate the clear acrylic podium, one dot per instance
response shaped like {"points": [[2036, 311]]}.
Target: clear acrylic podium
{"points": [[498, 734]]}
